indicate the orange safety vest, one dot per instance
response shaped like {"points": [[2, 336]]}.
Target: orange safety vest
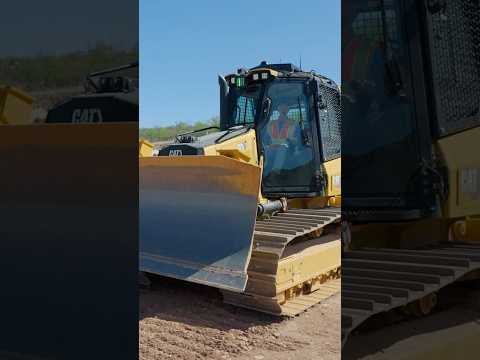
{"points": [[278, 133]]}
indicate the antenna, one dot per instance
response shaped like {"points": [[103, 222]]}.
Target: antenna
{"points": [[300, 61]]}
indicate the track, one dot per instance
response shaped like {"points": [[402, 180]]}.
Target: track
{"points": [[295, 262], [378, 280]]}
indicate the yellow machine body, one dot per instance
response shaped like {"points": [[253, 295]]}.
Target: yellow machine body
{"points": [[463, 204], [421, 246], [460, 217], [463, 165], [219, 193], [236, 210], [242, 148], [15, 106], [145, 148]]}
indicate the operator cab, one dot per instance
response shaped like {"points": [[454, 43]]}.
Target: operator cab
{"points": [[410, 76], [296, 115]]}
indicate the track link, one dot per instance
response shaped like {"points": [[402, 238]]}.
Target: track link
{"points": [[295, 262], [378, 280]]}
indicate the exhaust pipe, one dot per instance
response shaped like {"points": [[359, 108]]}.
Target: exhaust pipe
{"points": [[224, 90]]}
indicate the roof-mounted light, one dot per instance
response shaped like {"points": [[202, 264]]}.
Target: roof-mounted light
{"points": [[263, 74], [240, 81]]}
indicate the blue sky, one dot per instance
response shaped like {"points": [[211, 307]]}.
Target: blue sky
{"points": [[185, 44], [58, 26]]}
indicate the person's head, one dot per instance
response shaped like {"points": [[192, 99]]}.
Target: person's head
{"points": [[283, 109]]}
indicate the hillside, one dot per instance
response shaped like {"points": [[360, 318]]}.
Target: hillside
{"points": [[48, 72], [168, 132]]}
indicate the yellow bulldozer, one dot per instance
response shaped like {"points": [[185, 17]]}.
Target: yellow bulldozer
{"points": [[104, 120], [252, 207], [410, 147]]}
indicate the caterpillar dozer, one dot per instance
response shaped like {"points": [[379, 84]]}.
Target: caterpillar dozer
{"points": [[252, 207], [100, 126], [107, 99], [67, 188], [410, 148], [110, 96]]}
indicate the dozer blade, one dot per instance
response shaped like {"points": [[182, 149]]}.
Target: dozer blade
{"points": [[197, 217]]}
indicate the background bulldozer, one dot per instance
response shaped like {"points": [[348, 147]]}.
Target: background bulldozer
{"points": [[66, 188], [111, 95], [411, 170], [252, 208], [104, 118]]}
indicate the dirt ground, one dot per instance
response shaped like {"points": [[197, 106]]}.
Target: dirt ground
{"points": [[458, 309], [183, 321]]}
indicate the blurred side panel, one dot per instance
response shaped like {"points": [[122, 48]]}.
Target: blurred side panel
{"points": [[411, 178], [69, 180]]}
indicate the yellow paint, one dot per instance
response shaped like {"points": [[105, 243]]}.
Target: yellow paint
{"points": [[410, 234], [219, 172], [242, 147], [467, 229], [461, 211], [333, 168], [463, 162], [317, 202], [121, 135], [307, 265], [145, 148], [15, 106]]}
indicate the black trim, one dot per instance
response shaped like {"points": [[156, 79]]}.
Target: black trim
{"points": [[179, 136], [393, 208], [368, 216], [292, 195], [184, 148], [277, 67], [415, 31], [221, 138], [440, 127], [303, 191]]}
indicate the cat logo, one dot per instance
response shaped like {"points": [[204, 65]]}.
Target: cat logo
{"points": [[87, 116], [175, 152]]}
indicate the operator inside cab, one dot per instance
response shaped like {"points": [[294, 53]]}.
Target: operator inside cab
{"points": [[278, 139], [283, 141], [378, 128], [282, 129]]}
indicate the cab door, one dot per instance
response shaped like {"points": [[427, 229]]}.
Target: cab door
{"points": [[285, 138], [386, 144]]}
